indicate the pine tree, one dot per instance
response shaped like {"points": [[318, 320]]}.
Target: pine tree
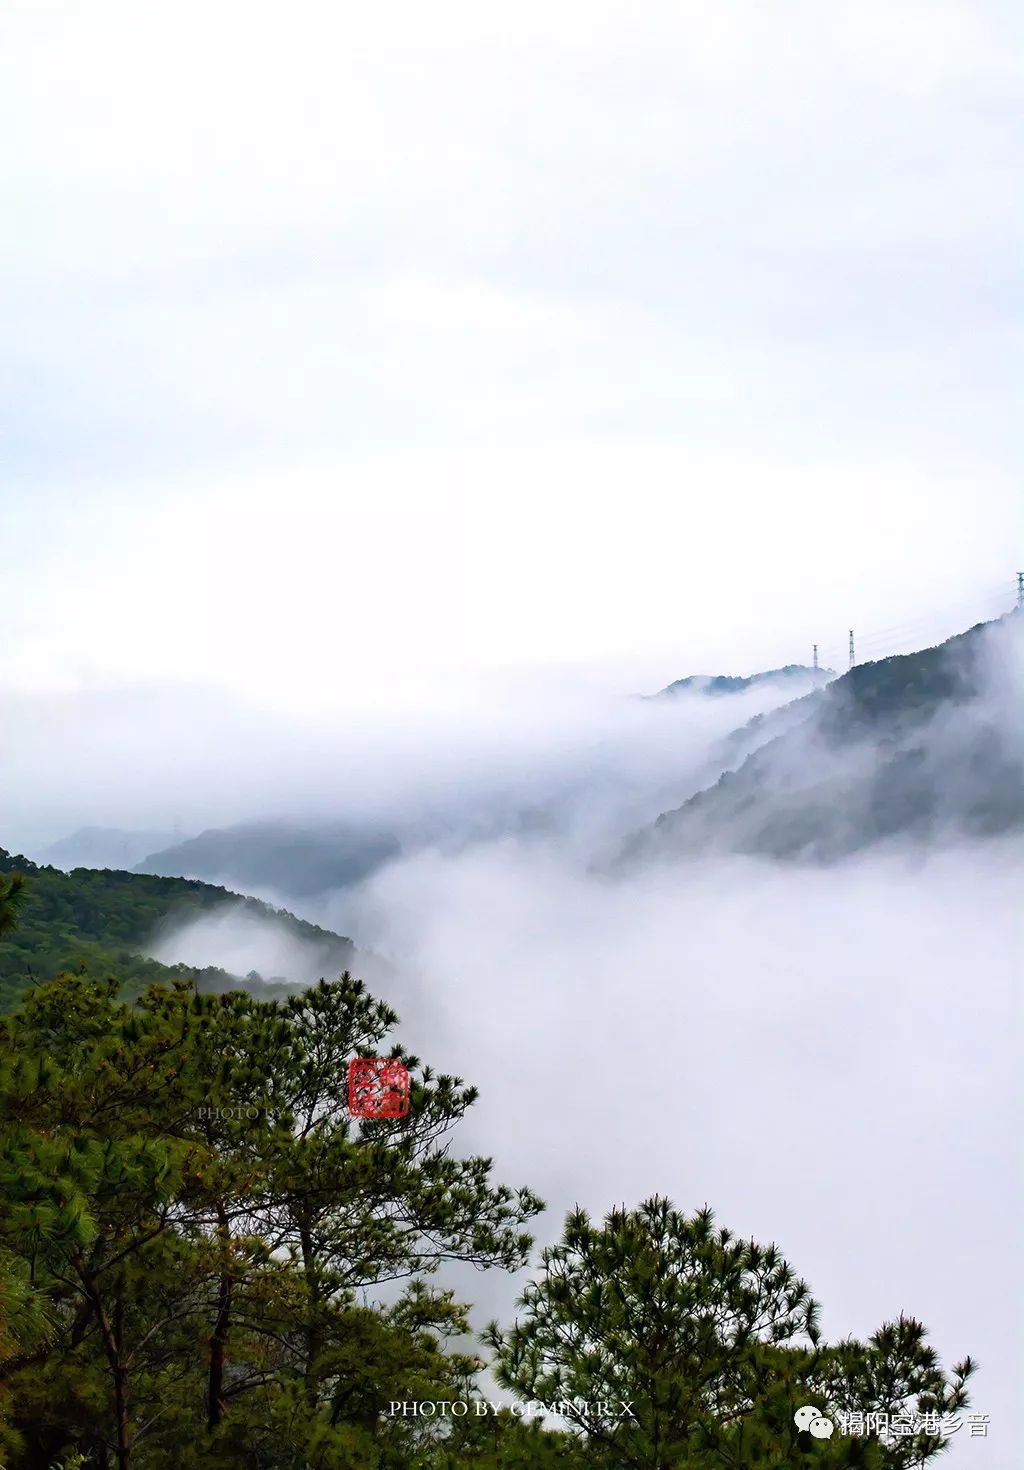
{"points": [[203, 1218], [673, 1345], [12, 895]]}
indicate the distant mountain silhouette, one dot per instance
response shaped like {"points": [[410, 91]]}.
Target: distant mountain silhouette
{"points": [[103, 847], [292, 858], [717, 684]]}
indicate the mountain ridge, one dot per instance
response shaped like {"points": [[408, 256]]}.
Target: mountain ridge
{"points": [[716, 685], [103, 847], [107, 921], [907, 746], [290, 857]]}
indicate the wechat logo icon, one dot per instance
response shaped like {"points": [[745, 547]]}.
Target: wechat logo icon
{"points": [[814, 1421]]}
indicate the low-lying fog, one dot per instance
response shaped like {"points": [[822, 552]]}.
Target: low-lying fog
{"points": [[573, 741], [831, 1059], [827, 1056]]}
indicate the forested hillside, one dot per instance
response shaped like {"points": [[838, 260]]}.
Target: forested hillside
{"points": [[213, 1254], [200, 1242], [921, 747], [104, 920]]}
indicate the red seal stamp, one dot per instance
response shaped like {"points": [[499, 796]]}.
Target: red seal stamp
{"points": [[378, 1087]]}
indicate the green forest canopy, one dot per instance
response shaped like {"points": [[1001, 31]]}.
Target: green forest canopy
{"points": [[103, 919], [205, 1261]]}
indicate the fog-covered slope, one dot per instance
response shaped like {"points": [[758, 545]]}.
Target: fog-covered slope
{"points": [[923, 746], [103, 847], [719, 684], [111, 922], [291, 858]]}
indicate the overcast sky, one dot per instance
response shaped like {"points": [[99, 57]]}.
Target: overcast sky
{"points": [[348, 343]]}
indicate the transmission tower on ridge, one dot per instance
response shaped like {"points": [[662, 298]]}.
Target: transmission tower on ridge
{"points": [[815, 657], [851, 648], [1020, 589]]}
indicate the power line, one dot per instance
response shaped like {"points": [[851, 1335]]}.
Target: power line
{"points": [[986, 604], [949, 611]]}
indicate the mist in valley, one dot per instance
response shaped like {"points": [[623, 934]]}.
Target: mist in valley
{"points": [[576, 748], [401, 402], [826, 1053]]}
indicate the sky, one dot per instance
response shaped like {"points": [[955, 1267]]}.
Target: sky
{"points": [[348, 349]]}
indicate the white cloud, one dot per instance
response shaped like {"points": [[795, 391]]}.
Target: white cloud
{"points": [[800, 1049], [541, 338]]}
